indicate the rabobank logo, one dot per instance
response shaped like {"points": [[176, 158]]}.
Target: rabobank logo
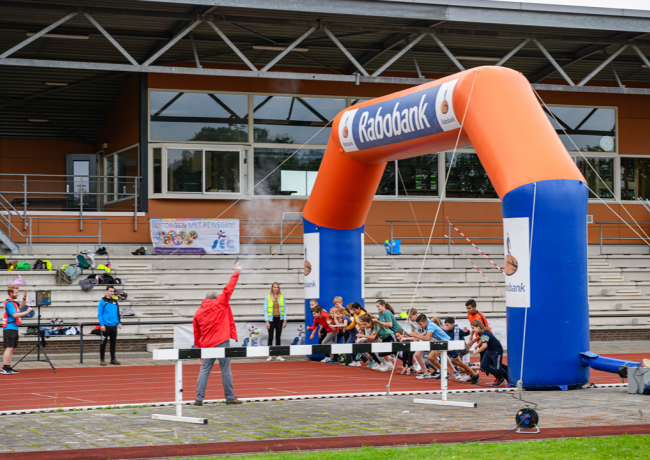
{"points": [[415, 115]]}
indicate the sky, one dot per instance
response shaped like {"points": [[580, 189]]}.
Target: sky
{"points": [[627, 4]]}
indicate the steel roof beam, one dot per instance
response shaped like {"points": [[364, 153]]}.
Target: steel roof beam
{"points": [[554, 63], [36, 36], [448, 53], [111, 39], [346, 52], [171, 43], [512, 53], [602, 65], [287, 50], [233, 47], [194, 51], [398, 55]]}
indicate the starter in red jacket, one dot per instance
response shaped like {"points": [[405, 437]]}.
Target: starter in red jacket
{"points": [[213, 321]]}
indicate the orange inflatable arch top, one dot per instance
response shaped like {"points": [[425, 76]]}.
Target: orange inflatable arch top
{"points": [[505, 124]]}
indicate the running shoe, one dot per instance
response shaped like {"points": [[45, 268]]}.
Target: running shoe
{"points": [[6, 371], [474, 380], [279, 358], [325, 360], [390, 365], [417, 367], [426, 375], [457, 375], [14, 371], [383, 368], [496, 381], [437, 376], [499, 382], [102, 363], [270, 358], [371, 364], [355, 364]]}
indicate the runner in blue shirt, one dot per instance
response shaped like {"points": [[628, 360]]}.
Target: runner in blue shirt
{"points": [[491, 361], [11, 318]]}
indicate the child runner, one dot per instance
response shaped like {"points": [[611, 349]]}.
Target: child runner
{"points": [[387, 319], [474, 315], [493, 353], [340, 321], [375, 332], [321, 318], [455, 333], [357, 311], [431, 333]]}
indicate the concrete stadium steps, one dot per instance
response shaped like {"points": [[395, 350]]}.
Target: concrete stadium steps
{"points": [[172, 287]]}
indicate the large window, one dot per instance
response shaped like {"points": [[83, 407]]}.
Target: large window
{"points": [[199, 117], [467, 178], [604, 167], [592, 129], [296, 177], [203, 171], [418, 176], [121, 167], [294, 120], [635, 178]]}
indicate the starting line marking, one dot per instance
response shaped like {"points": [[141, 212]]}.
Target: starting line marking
{"points": [[279, 398]]}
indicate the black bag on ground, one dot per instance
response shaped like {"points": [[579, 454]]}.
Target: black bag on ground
{"points": [[3, 264], [106, 279]]}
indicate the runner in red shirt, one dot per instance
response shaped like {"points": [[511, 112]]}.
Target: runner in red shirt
{"points": [[323, 320]]}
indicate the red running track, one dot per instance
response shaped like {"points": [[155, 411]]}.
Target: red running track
{"points": [[42, 389]]}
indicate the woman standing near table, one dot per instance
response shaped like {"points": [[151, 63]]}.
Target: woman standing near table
{"points": [[275, 316]]}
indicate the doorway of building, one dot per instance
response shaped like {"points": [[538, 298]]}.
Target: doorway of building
{"points": [[81, 181]]}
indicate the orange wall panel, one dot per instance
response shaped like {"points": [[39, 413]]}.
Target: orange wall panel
{"points": [[120, 127], [37, 156]]}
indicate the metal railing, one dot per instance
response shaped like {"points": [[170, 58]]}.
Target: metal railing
{"points": [[20, 193], [448, 237], [631, 224], [81, 221], [281, 237]]}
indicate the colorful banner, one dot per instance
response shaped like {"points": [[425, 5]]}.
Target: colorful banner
{"points": [[195, 236]]}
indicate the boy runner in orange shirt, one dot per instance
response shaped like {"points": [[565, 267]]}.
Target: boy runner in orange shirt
{"points": [[474, 315]]}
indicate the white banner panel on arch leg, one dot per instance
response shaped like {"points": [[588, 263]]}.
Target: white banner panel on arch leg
{"points": [[312, 265], [516, 241]]}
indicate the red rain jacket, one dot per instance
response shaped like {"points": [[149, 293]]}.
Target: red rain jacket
{"points": [[213, 321]]}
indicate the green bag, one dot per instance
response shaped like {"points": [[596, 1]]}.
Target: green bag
{"points": [[23, 265]]}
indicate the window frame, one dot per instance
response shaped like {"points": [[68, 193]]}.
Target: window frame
{"points": [[203, 195], [616, 130], [115, 178]]}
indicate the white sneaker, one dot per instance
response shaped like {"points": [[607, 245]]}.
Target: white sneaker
{"points": [[279, 358], [326, 360], [424, 376], [383, 368], [457, 375], [269, 358], [355, 364], [416, 366]]}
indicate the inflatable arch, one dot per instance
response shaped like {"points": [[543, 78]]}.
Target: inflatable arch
{"points": [[543, 194]]}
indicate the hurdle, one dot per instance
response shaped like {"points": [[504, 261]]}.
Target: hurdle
{"points": [[179, 355]]}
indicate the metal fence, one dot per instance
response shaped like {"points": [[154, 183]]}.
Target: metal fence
{"points": [[448, 225], [22, 193]]}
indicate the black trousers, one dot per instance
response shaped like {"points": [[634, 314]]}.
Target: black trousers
{"points": [[275, 330], [109, 333]]}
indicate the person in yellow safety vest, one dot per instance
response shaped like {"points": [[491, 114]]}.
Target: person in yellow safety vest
{"points": [[275, 316]]}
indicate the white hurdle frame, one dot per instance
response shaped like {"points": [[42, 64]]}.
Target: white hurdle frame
{"points": [[443, 386], [295, 350]]}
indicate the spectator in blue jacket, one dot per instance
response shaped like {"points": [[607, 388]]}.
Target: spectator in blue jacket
{"points": [[108, 313]]}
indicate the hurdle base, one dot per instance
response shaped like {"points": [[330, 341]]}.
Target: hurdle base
{"points": [[437, 402], [175, 418]]}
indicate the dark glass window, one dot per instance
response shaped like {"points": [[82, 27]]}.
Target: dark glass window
{"points": [[222, 171], [296, 177], [387, 183], [198, 117], [185, 170], [419, 176], [592, 129], [635, 178], [467, 178], [157, 170], [605, 168], [294, 120]]}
